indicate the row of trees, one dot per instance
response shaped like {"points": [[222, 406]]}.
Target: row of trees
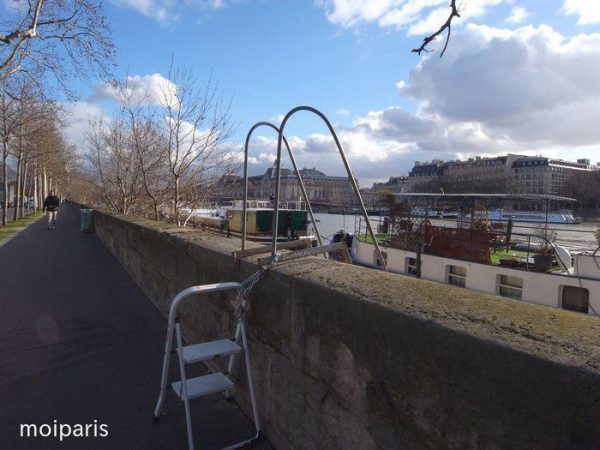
{"points": [[32, 144], [585, 187], [44, 44], [159, 156]]}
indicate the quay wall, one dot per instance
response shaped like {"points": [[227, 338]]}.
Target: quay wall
{"points": [[350, 358]]}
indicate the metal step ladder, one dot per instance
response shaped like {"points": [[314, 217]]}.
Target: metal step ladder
{"points": [[188, 389]]}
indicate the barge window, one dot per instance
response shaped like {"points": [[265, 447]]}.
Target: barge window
{"points": [[377, 260], [511, 287], [457, 276], [575, 299], [411, 266]]}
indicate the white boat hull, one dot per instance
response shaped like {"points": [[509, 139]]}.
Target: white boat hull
{"points": [[537, 287]]}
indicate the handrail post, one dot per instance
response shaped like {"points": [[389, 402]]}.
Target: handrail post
{"points": [[298, 175], [346, 165]]}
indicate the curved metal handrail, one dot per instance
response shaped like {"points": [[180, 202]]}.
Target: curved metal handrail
{"points": [[302, 188], [348, 170]]}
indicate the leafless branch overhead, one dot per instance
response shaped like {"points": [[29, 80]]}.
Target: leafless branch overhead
{"points": [[446, 26]]}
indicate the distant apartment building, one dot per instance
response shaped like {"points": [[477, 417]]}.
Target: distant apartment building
{"points": [[540, 175], [394, 184], [320, 188], [512, 173], [424, 176], [482, 174]]}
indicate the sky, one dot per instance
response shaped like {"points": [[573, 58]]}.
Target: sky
{"points": [[519, 76]]}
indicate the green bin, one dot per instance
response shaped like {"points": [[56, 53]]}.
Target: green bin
{"points": [[87, 220]]}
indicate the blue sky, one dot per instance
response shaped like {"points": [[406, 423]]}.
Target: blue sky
{"points": [[517, 76]]}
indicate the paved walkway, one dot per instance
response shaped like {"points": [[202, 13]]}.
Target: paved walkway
{"points": [[79, 343]]}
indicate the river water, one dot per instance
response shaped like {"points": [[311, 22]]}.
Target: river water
{"points": [[575, 237]]}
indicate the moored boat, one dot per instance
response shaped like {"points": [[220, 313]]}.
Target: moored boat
{"points": [[485, 256], [293, 221], [577, 289]]}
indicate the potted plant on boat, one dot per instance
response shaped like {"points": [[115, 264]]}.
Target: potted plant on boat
{"points": [[544, 256]]}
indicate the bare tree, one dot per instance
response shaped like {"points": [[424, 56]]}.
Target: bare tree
{"points": [[8, 127], [35, 118], [115, 173], [585, 187], [196, 126], [155, 159], [149, 146], [57, 38]]}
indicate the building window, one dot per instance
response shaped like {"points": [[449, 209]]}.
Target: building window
{"points": [[411, 266], [511, 287], [457, 276], [377, 260], [575, 299]]}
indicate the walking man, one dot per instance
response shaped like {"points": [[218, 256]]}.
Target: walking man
{"points": [[51, 205]]}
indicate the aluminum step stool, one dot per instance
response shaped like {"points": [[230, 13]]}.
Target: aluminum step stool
{"points": [[188, 389]]}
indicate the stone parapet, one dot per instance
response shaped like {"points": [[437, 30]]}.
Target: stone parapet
{"points": [[346, 357]]}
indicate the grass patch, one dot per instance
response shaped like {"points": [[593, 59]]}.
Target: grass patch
{"points": [[495, 257], [381, 238], [13, 227]]}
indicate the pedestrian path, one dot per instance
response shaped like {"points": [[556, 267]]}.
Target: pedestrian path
{"points": [[81, 344]]}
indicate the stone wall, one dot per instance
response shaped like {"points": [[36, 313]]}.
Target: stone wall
{"points": [[351, 358]]}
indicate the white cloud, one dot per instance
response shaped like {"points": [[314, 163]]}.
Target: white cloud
{"points": [[526, 91], [276, 120], [151, 89], [162, 11], [77, 117], [168, 11], [518, 15], [209, 4], [417, 16], [587, 10], [343, 112], [530, 85]]}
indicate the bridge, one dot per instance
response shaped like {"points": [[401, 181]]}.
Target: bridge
{"points": [[343, 357]]}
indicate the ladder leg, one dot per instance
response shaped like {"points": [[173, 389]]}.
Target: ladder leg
{"points": [[228, 393], [184, 393], [237, 337], [249, 375], [165, 372]]}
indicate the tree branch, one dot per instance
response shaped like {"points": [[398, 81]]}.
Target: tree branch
{"points": [[446, 26]]}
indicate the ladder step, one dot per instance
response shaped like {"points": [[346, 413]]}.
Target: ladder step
{"points": [[209, 350], [204, 385]]}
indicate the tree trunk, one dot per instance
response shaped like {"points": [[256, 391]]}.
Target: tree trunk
{"points": [[176, 202], [40, 191], [18, 186], [4, 181], [24, 184], [36, 199], [44, 183]]}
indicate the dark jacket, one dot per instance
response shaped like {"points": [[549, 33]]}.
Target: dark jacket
{"points": [[51, 203]]}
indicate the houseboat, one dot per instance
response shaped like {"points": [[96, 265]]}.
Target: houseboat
{"points": [[575, 289], [485, 257], [293, 220]]}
